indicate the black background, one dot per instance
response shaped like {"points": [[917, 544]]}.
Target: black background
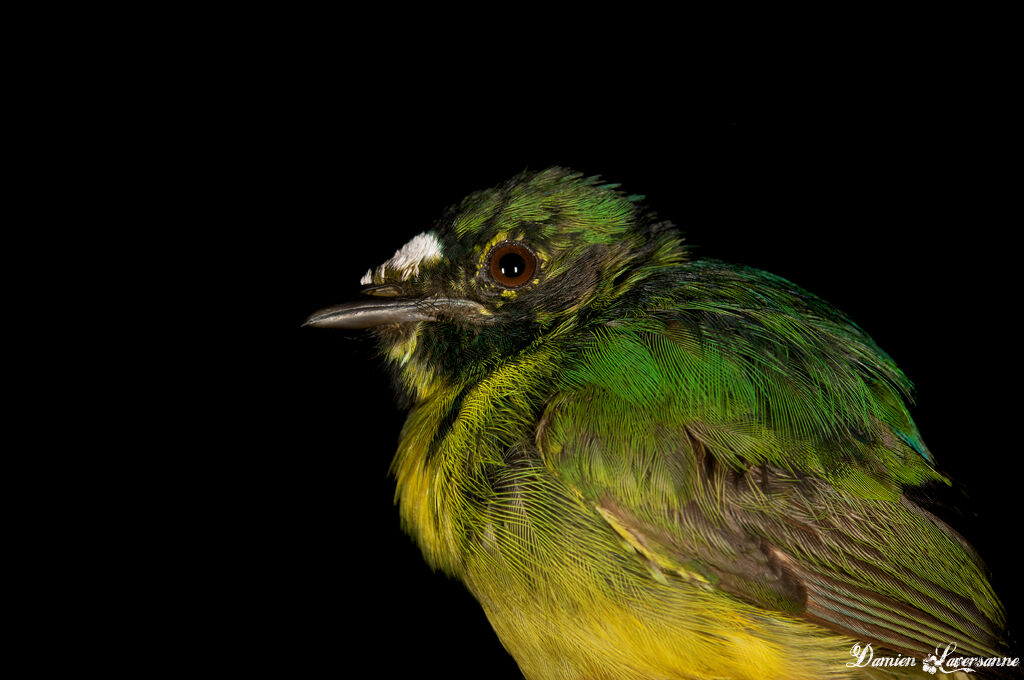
{"points": [[886, 201]]}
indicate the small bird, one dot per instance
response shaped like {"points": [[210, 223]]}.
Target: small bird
{"points": [[649, 466]]}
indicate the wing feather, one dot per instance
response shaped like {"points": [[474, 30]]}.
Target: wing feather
{"points": [[748, 435]]}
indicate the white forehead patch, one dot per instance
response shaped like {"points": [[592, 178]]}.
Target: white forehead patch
{"points": [[421, 250]]}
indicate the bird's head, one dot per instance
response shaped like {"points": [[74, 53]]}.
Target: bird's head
{"points": [[538, 256]]}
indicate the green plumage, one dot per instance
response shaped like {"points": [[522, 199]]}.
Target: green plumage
{"points": [[646, 466]]}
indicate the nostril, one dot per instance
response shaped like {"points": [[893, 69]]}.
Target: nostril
{"points": [[388, 290]]}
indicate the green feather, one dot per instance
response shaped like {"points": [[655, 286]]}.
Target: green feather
{"points": [[645, 465]]}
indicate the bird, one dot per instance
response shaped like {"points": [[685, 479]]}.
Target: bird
{"points": [[647, 465]]}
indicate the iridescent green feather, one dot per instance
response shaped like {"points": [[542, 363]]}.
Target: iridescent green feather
{"points": [[701, 459]]}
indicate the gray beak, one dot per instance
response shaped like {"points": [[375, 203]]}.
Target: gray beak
{"points": [[382, 311]]}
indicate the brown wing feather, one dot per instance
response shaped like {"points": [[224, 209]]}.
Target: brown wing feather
{"points": [[782, 543]]}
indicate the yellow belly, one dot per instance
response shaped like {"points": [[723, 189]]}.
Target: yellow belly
{"points": [[688, 634]]}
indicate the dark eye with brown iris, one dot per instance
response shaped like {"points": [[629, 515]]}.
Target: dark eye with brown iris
{"points": [[512, 264]]}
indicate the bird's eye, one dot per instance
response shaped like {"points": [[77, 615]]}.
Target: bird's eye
{"points": [[512, 264]]}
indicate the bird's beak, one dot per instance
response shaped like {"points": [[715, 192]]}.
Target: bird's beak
{"points": [[387, 308]]}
